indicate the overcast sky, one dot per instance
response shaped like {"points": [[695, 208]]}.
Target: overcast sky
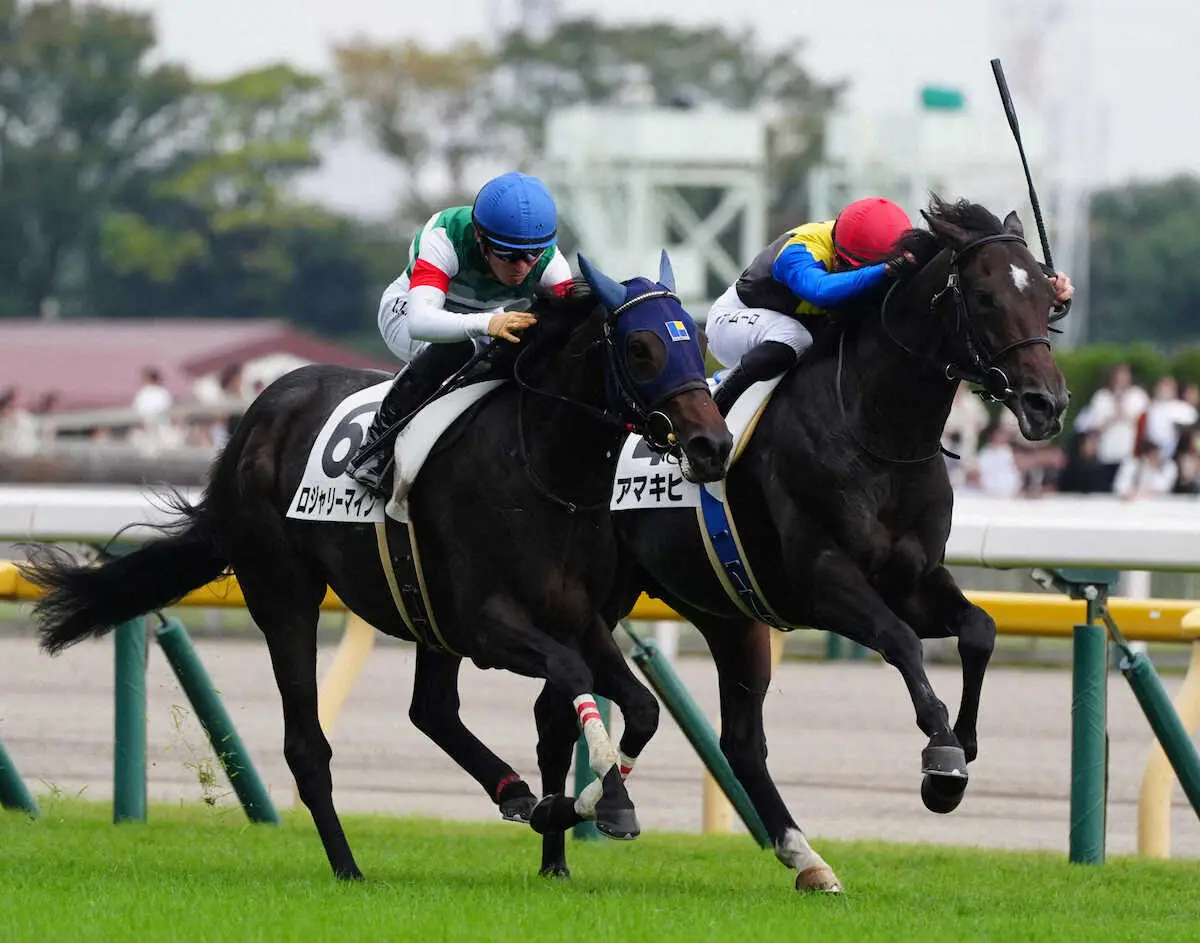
{"points": [[1132, 63]]}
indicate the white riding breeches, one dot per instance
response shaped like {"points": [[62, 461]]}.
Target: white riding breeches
{"points": [[393, 323], [733, 329]]}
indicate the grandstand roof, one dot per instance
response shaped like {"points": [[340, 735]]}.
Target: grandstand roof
{"points": [[96, 364]]}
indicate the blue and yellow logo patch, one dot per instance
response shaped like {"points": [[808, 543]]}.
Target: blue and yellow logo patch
{"points": [[677, 331]]}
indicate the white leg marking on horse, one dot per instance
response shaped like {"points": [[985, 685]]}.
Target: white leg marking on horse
{"points": [[602, 755], [1020, 277], [795, 851], [585, 802]]}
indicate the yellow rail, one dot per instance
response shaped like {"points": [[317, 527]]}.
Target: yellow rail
{"points": [[1040, 614]]}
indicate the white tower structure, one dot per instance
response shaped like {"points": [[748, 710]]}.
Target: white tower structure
{"points": [[621, 176]]}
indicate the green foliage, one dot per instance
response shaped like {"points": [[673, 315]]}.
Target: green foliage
{"points": [[1145, 262], [129, 189], [428, 108]]}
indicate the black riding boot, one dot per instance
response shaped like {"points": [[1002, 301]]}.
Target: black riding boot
{"points": [[761, 362], [409, 391]]}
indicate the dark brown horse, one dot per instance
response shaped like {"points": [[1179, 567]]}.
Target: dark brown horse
{"points": [[517, 546]]}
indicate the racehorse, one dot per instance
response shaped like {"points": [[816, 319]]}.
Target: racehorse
{"points": [[842, 501], [517, 547]]}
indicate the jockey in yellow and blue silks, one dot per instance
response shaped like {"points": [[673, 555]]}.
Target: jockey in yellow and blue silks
{"points": [[754, 326]]}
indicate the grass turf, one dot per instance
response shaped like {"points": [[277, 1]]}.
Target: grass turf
{"points": [[200, 874]]}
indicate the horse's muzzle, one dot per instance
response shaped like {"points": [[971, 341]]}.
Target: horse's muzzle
{"points": [[707, 453], [1040, 412]]}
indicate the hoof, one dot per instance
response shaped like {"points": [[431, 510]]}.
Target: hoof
{"points": [[944, 761], [557, 872], [820, 879], [615, 815], [621, 824], [353, 875], [942, 794], [518, 809], [554, 815]]}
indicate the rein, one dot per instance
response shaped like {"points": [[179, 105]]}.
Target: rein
{"points": [[996, 386]]}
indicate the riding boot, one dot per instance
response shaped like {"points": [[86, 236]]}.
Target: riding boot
{"points": [[415, 384], [761, 362]]}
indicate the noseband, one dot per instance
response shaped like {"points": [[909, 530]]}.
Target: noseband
{"points": [[987, 374]]}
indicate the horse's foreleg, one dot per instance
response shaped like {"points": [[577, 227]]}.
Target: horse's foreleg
{"points": [[848, 605], [741, 650], [938, 609], [509, 639], [435, 711]]}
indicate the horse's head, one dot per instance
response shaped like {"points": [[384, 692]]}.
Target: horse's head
{"points": [[655, 370], [993, 303]]}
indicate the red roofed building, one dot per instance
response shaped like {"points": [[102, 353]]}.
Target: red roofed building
{"points": [[98, 364]]}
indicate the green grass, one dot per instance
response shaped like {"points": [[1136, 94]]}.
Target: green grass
{"points": [[199, 874]]}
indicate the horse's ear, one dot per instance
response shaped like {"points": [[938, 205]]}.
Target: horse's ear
{"points": [[611, 293], [951, 232], [1012, 224], [666, 275]]}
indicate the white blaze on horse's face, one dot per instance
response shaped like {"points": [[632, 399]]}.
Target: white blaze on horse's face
{"points": [[1020, 277]]}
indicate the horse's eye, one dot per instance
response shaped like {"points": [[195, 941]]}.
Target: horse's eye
{"points": [[645, 355], [986, 300]]}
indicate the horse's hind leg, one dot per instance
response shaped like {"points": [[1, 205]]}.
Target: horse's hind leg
{"points": [[938, 609], [284, 599], [509, 639], [741, 651], [557, 731], [435, 712]]}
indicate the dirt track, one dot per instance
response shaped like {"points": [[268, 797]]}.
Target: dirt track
{"points": [[844, 747]]}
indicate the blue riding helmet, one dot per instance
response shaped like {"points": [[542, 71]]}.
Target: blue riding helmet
{"points": [[516, 211]]}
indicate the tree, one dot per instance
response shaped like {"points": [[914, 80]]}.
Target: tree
{"points": [[1145, 262], [434, 111], [585, 61], [80, 114], [425, 109]]}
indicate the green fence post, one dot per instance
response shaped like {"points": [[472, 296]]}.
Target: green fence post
{"points": [[13, 794], [129, 722], [699, 731], [587, 830], [1089, 744], [173, 640], [834, 645], [1165, 722]]}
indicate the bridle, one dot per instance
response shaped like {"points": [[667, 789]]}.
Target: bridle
{"points": [[631, 414], [995, 385], [986, 374]]}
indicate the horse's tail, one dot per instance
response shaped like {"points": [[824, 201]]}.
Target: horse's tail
{"points": [[85, 601]]}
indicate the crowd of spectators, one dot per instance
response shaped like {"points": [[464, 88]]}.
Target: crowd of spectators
{"points": [[1124, 441]]}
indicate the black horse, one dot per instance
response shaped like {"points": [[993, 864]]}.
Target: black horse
{"points": [[842, 502], [517, 548]]}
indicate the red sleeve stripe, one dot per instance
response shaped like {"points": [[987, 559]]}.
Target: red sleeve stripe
{"points": [[426, 273]]}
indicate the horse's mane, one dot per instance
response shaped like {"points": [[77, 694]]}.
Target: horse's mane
{"points": [[925, 244]]}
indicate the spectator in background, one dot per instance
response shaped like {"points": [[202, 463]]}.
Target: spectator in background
{"points": [[232, 397], [1084, 472], [968, 418], [1113, 411], [1148, 474], [996, 464], [18, 428], [1187, 461], [153, 401], [1167, 415]]}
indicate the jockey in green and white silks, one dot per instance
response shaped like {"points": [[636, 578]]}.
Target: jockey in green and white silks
{"points": [[468, 267]]}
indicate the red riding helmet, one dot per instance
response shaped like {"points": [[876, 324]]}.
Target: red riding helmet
{"points": [[865, 230]]}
